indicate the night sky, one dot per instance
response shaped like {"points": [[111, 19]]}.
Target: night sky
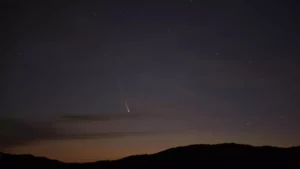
{"points": [[96, 80]]}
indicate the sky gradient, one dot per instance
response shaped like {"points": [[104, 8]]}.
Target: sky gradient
{"points": [[190, 72]]}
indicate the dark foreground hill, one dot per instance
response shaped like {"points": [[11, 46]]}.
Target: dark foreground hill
{"points": [[231, 156]]}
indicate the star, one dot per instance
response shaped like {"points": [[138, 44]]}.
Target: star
{"points": [[217, 53], [250, 61]]}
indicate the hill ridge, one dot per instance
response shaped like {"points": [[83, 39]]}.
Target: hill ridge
{"points": [[194, 155]]}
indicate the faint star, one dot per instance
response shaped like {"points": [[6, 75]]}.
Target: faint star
{"points": [[191, 1], [217, 53], [94, 13], [249, 61], [247, 123], [257, 38]]}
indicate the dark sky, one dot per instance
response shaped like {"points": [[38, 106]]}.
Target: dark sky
{"points": [[189, 71]]}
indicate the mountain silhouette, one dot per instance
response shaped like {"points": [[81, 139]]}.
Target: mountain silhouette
{"points": [[229, 155]]}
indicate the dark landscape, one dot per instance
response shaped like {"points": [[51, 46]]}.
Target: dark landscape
{"points": [[192, 156]]}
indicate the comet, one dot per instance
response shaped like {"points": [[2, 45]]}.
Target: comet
{"points": [[127, 106], [123, 99]]}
